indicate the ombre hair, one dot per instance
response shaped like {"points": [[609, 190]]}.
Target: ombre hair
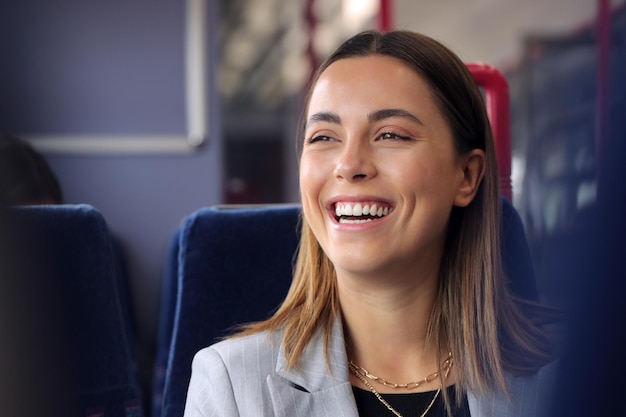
{"points": [[475, 316]]}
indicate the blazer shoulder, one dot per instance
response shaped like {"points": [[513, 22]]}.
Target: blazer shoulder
{"points": [[229, 378], [258, 350]]}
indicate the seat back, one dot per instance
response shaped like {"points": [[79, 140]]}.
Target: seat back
{"points": [[167, 312], [517, 260], [66, 279], [234, 267]]}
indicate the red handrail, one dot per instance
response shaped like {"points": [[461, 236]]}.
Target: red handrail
{"points": [[385, 16], [499, 110]]}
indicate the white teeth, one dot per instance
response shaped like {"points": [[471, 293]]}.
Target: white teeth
{"points": [[359, 209]]}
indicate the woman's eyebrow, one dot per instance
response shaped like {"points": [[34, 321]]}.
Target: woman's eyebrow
{"points": [[388, 113], [328, 117]]}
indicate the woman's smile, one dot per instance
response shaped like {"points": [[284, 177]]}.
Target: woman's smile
{"points": [[359, 212]]}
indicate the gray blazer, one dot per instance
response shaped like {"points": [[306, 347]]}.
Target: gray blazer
{"points": [[248, 377]]}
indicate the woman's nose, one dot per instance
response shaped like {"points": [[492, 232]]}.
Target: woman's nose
{"points": [[354, 163]]}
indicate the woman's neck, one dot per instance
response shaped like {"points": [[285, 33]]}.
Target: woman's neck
{"points": [[386, 324]]}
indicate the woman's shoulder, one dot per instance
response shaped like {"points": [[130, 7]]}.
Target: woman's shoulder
{"points": [[262, 347], [228, 377]]}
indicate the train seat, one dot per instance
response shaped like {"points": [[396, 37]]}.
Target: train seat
{"points": [[234, 266], [67, 279]]}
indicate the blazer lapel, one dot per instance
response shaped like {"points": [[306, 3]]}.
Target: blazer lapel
{"points": [[289, 401], [314, 388]]}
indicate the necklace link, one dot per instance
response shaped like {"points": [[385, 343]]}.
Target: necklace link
{"points": [[445, 366], [363, 375]]}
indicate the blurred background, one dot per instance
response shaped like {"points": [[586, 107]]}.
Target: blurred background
{"points": [[150, 110]]}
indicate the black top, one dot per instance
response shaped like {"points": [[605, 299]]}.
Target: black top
{"points": [[409, 405]]}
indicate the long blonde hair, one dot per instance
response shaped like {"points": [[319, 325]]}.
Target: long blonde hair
{"points": [[475, 314]]}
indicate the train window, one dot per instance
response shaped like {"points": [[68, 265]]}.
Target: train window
{"points": [[554, 110], [268, 51]]}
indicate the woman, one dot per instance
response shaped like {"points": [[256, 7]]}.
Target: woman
{"points": [[398, 304]]}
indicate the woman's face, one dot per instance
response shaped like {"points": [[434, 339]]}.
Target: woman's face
{"points": [[379, 173]]}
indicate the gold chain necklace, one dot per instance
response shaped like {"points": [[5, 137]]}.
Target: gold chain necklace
{"points": [[445, 366], [358, 371]]}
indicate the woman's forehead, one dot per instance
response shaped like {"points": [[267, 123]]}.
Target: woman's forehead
{"points": [[373, 82]]}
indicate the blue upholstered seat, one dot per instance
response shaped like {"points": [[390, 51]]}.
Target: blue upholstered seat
{"points": [[167, 312], [516, 255], [68, 280], [235, 265]]}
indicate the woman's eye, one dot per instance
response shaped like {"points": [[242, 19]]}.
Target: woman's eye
{"points": [[392, 135], [319, 138]]}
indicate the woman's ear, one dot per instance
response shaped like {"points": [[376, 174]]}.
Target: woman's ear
{"points": [[473, 166]]}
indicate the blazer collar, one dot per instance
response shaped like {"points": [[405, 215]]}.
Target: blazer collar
{"points": [[314, 373], [315, 387]]}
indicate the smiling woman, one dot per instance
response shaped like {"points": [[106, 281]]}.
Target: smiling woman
{"points": [[398, 305]]}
